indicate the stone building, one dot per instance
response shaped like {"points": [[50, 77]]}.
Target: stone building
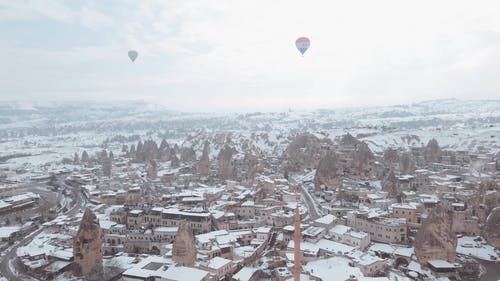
{"points": [[200, 222], [346, 235], [87, 246], [381, 229], [184, 248], [410, 212]]}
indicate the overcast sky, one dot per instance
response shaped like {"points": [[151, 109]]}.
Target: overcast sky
{"points": [[239, 55]]}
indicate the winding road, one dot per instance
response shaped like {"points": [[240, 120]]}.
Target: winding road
{"points": [[8, 266]]}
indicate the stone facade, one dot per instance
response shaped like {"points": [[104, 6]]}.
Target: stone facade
{"points": [[381, 229], [409, 212], [87, 246]]}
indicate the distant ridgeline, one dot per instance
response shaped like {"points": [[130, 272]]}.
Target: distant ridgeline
{"points": [[12, 156]]}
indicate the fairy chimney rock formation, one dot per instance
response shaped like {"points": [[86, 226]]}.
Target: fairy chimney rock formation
{"points": [[328, 172], [349, 139], [435, 240], [184, 248], [390, 184], [362, 157], [225, 162], [87, 246], [304, 151], [432, 152], [174, 161], [492, 228], [204, 164], [188, 154]]}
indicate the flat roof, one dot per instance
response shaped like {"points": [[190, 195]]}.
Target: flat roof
{"points": [[440, 264], [218, 262]]}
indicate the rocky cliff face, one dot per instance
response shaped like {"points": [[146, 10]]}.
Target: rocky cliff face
{"points": [[250, 166], [492, 228], [402, 162], [435, 240], [329, 172], [87, 246], [391, 157], [362, 158], [304, 151]]}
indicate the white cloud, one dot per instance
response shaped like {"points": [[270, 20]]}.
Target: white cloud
{"points": [[219, 55], [35, 9], [94, 19]]}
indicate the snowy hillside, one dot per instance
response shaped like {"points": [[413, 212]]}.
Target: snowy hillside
{"points": [[37, 134]]}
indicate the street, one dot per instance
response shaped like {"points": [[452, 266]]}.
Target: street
{"points": [[8, 260], [308, 200], [310, 204]]}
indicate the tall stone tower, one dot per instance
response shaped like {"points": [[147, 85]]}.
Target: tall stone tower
{"points": [[491, 230], [184, 248], [87, 246], [297, 237], [225, 162], [435, 240], [204, 164]]}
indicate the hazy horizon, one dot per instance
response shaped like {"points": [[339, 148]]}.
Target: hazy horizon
{"points": [[218, 56], [27, 104]]}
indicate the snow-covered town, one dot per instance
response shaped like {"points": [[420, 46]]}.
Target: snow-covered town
{"points": [[135, 192], [284, 140]]}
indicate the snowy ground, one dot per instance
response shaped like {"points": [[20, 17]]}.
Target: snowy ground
{"points": [[337, 267], [478, 249]]}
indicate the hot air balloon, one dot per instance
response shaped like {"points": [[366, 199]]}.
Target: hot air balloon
{"points": [[132, 54], [302, 44]]}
